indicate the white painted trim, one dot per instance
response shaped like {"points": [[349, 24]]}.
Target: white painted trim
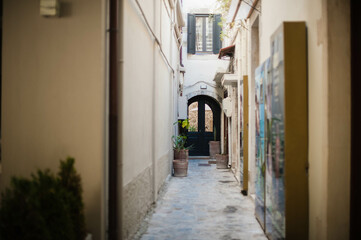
{"points": [[206, 93]]}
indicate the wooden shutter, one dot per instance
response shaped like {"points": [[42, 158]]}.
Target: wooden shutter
{"points": [[191, 39], [217, 44]]}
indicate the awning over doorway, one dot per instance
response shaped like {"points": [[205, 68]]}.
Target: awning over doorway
{"points": [[227, 51]]}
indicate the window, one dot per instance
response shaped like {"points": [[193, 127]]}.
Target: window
{"points": [[208, 118], [204, 30], [193, 117], [204, 33]]}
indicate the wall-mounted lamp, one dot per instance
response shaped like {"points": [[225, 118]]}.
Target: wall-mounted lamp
{"points": [[49, 8], [182, 71]]}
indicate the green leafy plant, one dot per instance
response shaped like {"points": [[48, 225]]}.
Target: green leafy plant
{"points": [[44, 207], [192, 129], [71, 181], [185, 123], [179, 141], [223, 8]]}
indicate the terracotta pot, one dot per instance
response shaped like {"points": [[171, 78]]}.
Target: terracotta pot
{"points": [[222, 161], [181, 154], [180, 168], [214, 148]]}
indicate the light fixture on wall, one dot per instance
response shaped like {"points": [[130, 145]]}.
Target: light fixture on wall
{"points": [[182, 71], [49, 8]]}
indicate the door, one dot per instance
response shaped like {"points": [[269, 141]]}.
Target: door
{"points": [[204, 121]]}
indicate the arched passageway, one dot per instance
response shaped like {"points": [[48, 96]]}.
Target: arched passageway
{"points": [[204, 118]]}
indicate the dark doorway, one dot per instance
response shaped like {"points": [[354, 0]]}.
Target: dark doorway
{"points": [[204, 120], [355, 211]]}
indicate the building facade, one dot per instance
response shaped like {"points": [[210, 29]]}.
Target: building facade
{"points": [[55, 100], [251, 27], [201, 97]]}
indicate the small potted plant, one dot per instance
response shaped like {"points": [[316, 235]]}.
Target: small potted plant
{"points": [[180, 151], [214, 146], [180, 162]]}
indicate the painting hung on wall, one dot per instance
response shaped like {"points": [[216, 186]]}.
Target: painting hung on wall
{"points": [[260, 77], [241, 132], [279, 77], [275, 199]]}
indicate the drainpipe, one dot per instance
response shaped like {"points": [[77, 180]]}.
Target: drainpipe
{"points": [[154, 162], [171, 85], [229, 142], [115, 70]]}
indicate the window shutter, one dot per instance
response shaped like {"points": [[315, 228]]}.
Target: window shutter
{"points": [[191, 39], [217, 44]]}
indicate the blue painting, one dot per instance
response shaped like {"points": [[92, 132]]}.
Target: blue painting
{"points": [[275, 157]]}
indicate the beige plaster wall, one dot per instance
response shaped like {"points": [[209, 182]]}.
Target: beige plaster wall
{"points": [[329, 105], [54, 95], [253, 63], [234, 138], [137, 174], [147, 92], [137, 95], [339, 119], [163, 119], [147, 108]]}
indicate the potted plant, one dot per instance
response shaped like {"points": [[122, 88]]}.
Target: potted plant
{"points": [[214, 146], [180, 151], [180, 162]]}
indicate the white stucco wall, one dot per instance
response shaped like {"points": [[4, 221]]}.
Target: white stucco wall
{"points": [[137, 99], [200, 72], [150, 80], [200, 69], [192, 5]]}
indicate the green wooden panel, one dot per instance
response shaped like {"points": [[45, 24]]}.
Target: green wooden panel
{"points": [[191, 38], [217, 44]]}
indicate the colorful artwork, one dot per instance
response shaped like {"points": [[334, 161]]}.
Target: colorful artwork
{"points": [[261, 78], [275, 199], [241, 133], [270, 140]]}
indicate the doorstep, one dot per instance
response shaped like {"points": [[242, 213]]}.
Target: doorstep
{"points": [[198, 157]]}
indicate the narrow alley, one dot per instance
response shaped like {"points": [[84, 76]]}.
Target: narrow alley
{"points": [[207, 204], [106, 104]]}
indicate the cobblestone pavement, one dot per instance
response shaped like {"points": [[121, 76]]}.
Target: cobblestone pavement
{"points": [[207, 204]]}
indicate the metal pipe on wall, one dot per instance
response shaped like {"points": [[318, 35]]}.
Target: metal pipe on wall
{"points": [[229, 139], [154, 162], [115, 79]]}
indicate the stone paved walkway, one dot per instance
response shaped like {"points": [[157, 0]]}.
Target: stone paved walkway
{"points": [[207, 204]]}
